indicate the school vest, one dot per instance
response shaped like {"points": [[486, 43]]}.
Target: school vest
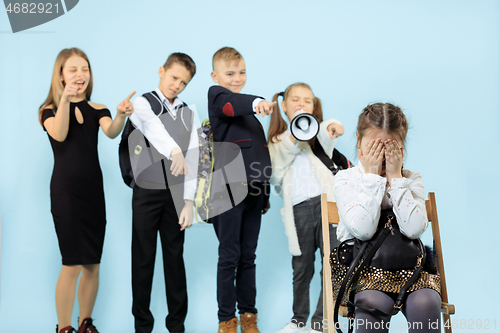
{"points": [[152, 165]]}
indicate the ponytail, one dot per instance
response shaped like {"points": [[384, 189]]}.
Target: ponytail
{"points": [[277, 125]]}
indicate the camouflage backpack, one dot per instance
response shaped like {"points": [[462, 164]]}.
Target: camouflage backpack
{"points": [[205, 169]]}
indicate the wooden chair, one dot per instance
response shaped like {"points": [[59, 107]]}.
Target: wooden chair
{"points": [[330, 215]]}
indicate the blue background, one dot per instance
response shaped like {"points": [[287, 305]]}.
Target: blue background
{"points": [[438, 60]]}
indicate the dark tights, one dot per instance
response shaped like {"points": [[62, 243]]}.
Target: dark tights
{"points": [[422, 310]]}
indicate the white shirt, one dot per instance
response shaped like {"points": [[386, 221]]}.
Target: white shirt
{"points": [[360, 197], [153, 129], [305, 185]]}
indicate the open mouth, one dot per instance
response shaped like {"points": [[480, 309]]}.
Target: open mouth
{"points": [[80, 84]]}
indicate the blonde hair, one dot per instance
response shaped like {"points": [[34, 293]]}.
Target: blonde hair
{"points": [[57, 85], [278, 125], [226, 55]]}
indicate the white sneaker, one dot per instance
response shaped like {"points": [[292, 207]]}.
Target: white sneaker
{"points": [[291, 328]]}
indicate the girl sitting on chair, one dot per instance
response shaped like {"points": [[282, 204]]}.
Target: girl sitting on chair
{"points": [[380, 182]]}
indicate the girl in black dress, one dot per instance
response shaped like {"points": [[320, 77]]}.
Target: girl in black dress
{"points": [[76, 191]]}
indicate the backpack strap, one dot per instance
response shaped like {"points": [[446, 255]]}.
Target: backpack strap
{"points": [[123, 150], [336, 163], [158, 108], [155, 102]]}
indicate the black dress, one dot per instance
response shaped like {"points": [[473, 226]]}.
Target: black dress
{"points": [[76, 190]]}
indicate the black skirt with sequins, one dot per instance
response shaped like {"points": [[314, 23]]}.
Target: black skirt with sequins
{"points": [[373, 278]]}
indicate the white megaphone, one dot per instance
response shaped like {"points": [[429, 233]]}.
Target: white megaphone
{"points": [[304, 126]]}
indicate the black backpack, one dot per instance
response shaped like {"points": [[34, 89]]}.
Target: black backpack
{"points": [[123, 150]]}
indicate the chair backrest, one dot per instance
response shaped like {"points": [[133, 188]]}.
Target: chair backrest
{"points": [[333, 213]]}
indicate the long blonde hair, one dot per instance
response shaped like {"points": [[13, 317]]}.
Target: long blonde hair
{"points": [[278, 125], [57, 86]]}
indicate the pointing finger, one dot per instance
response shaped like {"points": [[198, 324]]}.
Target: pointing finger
{"points": [[129, 97]]}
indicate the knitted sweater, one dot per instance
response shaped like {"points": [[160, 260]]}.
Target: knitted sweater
{"points": [[283, 153]]}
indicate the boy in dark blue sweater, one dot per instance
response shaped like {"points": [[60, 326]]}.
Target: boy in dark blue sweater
{"points": [[232, 117]]}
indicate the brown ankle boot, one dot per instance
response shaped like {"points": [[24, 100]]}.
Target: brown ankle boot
{"points": [[229, 326], [249, 323]]}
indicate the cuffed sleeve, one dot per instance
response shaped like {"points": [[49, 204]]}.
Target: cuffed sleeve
{"points": [[256, 102]]}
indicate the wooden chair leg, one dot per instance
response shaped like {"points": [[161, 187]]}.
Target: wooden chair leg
{"points": [[327, 270], [439, 254]]}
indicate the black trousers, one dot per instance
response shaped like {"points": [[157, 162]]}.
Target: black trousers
{"points": [[238, 231], [153, 211]]}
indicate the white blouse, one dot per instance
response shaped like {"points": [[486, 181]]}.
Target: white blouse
{"points": [[360, 196]]}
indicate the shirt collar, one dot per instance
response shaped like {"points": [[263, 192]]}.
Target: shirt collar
{"points": [[177, 100]]}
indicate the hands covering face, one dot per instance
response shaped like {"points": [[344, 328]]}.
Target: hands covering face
{"points": [[393, 159], [383, 158]]}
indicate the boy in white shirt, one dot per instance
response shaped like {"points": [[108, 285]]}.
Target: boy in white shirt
{"points": [[173, 134]]}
